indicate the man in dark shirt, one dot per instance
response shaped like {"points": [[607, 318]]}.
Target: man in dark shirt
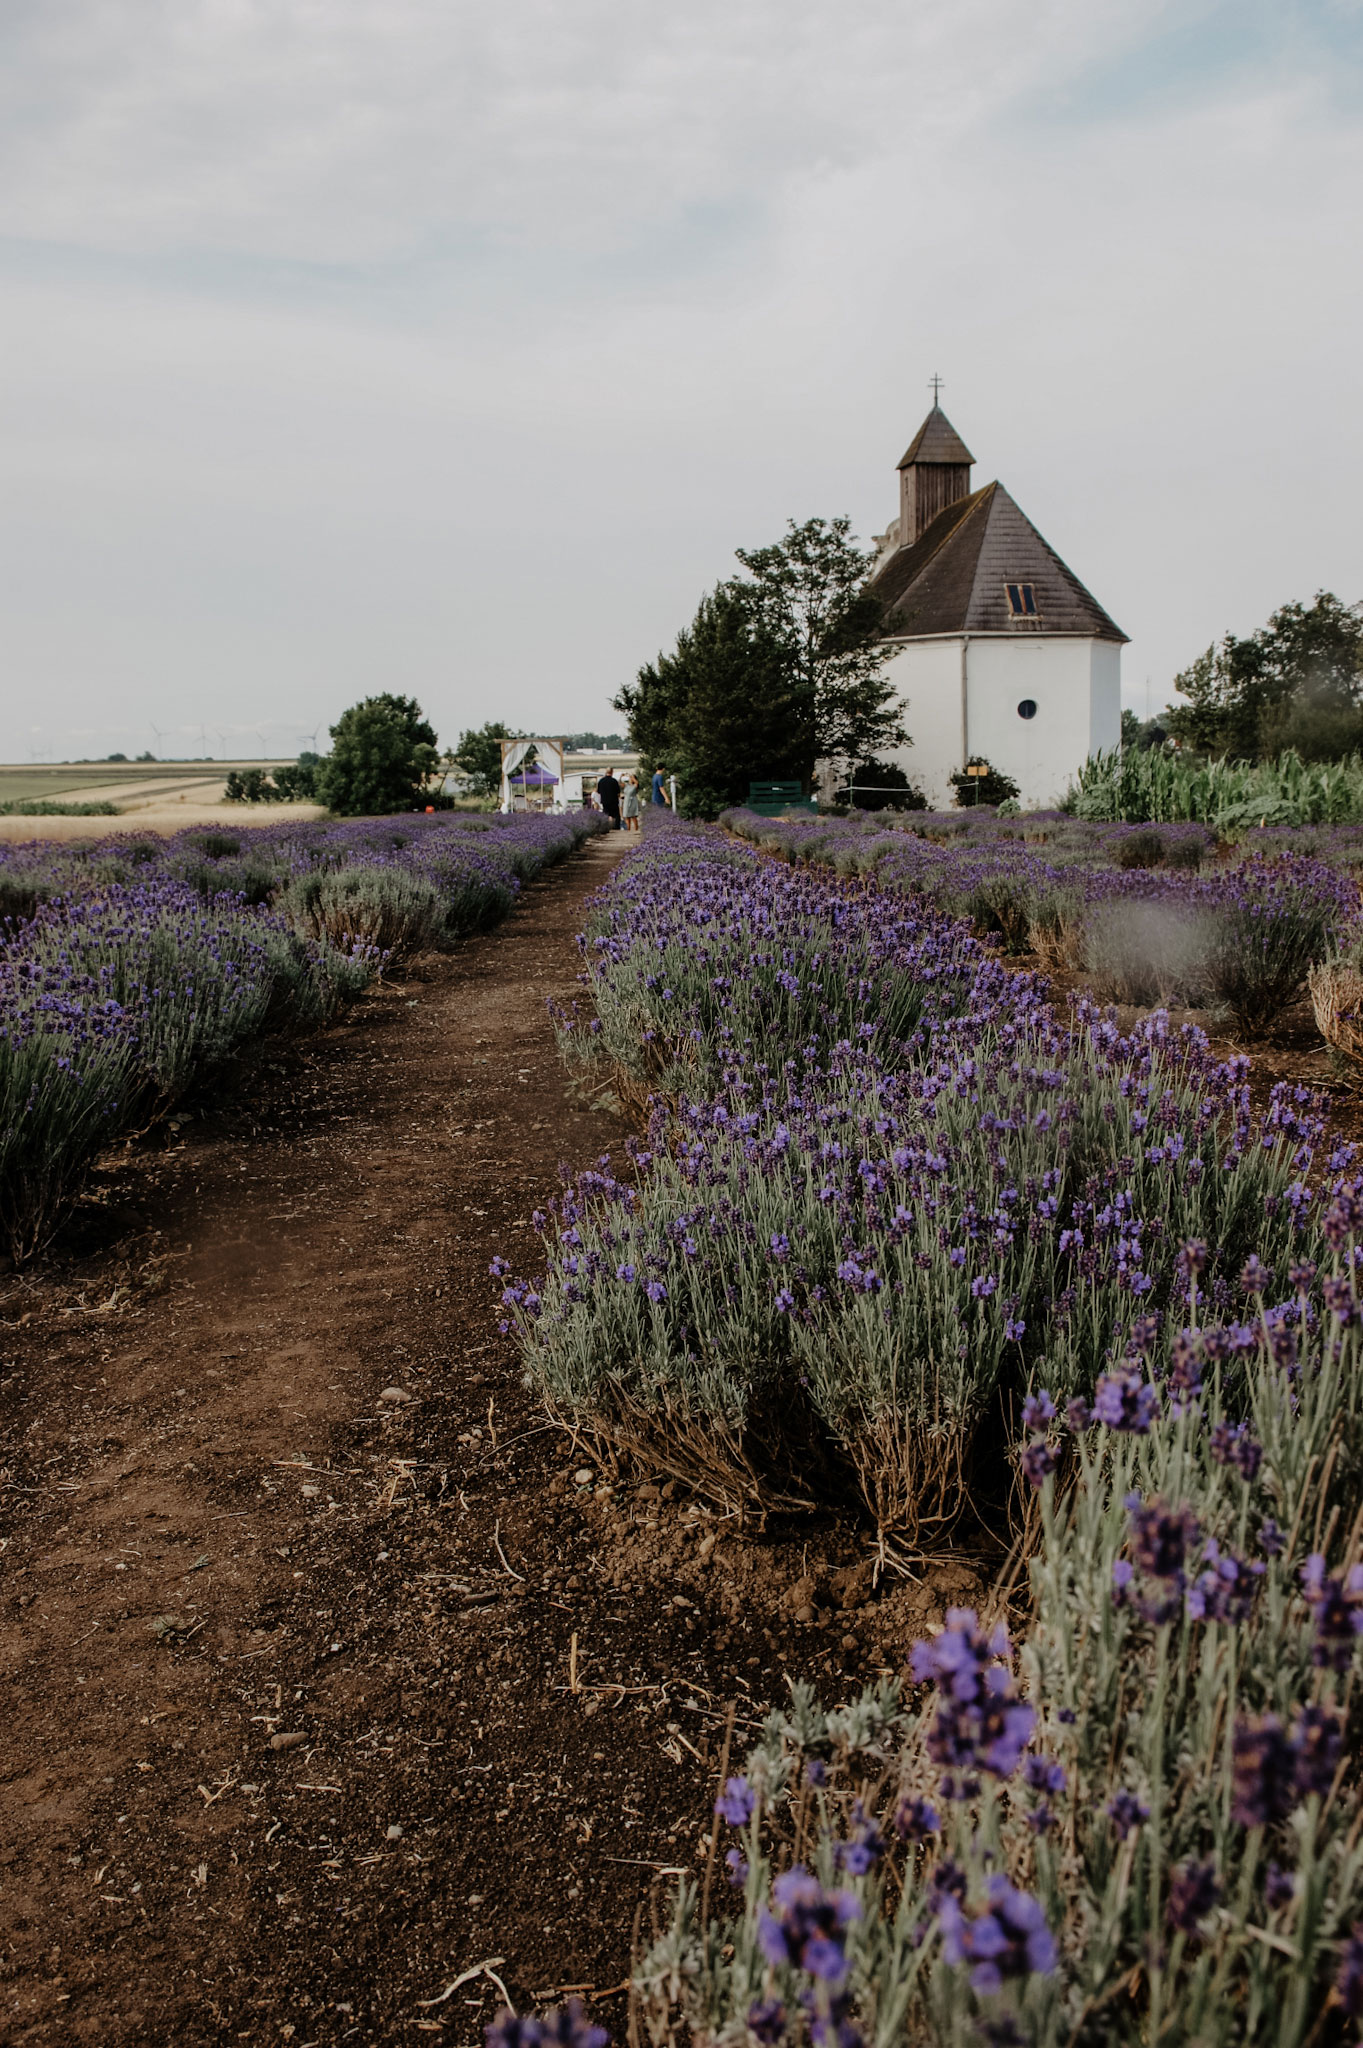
{"points": [[608, 789]]}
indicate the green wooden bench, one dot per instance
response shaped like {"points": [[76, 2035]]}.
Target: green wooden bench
{"points": [[769, 798]]}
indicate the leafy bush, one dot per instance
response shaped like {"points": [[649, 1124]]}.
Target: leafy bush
{"points": [[990, 787], [382, 752], [1140, 850], [883, 786]]}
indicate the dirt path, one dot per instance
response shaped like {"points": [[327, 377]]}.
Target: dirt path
{"points": [[294, 1567]]}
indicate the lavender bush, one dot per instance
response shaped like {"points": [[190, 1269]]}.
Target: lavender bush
{"points": [[130, 968], [1239, 939], [884, 1188], [1141, 1824]]}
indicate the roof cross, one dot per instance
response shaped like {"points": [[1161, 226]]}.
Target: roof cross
{"points": [[936, 383]]}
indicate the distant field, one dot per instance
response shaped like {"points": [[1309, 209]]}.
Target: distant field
{"points": [[55, 778]]}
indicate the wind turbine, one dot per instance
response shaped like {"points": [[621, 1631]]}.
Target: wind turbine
{"points": [[222, 740], [159, 737]]}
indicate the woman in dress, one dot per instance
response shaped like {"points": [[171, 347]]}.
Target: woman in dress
{"points": [[629, 803]]}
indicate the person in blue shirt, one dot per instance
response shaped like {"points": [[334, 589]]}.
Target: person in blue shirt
{"points": [[659, 791]]}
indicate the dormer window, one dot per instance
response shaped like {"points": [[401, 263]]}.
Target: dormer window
{"points": [[1021, 600]]}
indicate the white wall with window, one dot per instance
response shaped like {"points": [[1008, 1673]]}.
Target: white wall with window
{"points": [[1036, 707]]}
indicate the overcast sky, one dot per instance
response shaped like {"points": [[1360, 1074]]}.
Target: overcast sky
{"points": [[452, 348]]}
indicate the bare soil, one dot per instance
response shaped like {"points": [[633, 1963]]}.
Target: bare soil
{"points": [[332, 1669]]}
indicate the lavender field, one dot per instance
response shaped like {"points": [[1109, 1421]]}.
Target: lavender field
{"points": [[911, 1244], [1143, 914], [132, 967]]}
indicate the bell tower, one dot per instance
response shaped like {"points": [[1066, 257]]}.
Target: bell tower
{"points": [[934, 473]]}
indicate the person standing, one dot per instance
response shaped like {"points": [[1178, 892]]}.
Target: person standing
{"points": [[629, 803], [659, 787], [608, 789]]}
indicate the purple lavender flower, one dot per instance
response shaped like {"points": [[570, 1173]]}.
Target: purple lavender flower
{"points": [[1271, 1538], [767, 2021], [1038, 1410], [1263, 1772], [830, 2019], [513, 2030], [736, 1802], [1232, 1444], [1279, 1888], [1124, 1401], [1161, 1537], [1194, 1890], [916, 1819], [1039, 1460], [1341, 1300], [864, 1848], [1337, 1610], [809, 1927], [1078, 1415], [816, 1772], [1225, 1590], [1044, 1774], [980, 1725], [566, 2027], [1007, 1938], [1317, 1745], [569, 2027], [737, 1865], [1349, 1978], [1126, 1812], [1255, 1277]]}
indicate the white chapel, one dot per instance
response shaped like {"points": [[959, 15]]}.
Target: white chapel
{"points": [[995, 647]]}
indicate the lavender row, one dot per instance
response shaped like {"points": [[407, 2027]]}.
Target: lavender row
{"points": [[885, 1190], [1239, 938], [1142, 1822], [131, 968]]}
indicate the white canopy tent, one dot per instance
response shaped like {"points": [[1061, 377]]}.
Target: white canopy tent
{"points": [[548, 755]]}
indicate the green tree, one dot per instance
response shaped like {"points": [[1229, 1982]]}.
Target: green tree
{"points": [[1297, 681], [298, 783], [779, 669], [722, 709], [809, 591], [382, 751], [479, 756]]}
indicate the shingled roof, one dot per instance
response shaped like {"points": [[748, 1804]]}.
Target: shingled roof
{"points": [[953, 577], [937, 441]]}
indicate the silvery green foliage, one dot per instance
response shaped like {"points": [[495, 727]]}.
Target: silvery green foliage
{"points": [[131, 967], [1149, 1807], [886, 1185], [1239, 938]]}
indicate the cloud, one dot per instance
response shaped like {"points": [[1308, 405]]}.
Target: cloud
{"points": [[409, 345]]}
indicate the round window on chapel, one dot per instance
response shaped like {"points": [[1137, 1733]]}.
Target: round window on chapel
{"points": [[1027, 708]]}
